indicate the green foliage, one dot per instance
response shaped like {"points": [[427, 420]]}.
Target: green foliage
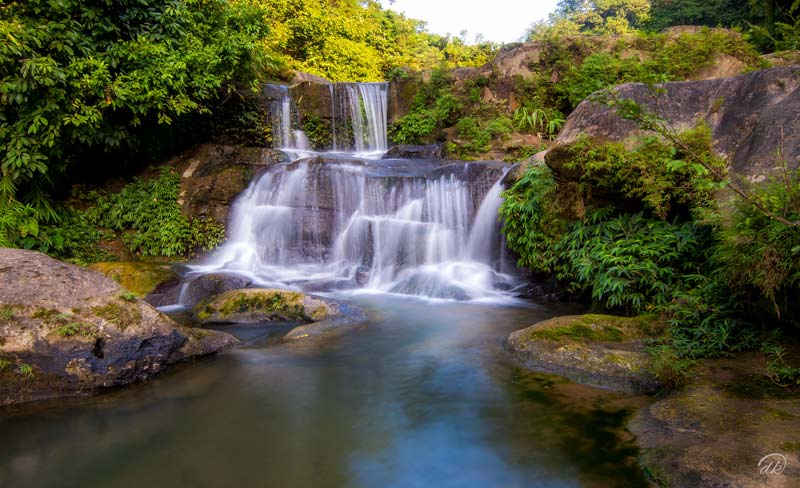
{"points": [[317, 130], [628, 262], [352, 40], [6, 313], [760, 254], [128, 296], [80, 76], [5, 364], [664, 177], [72, 329], [26, 371], [434, 106], [539, 120], [670, 58], [150, 220], [532, 220]]}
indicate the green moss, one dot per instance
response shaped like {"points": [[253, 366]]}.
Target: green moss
{"points": [[6, 313], [791, 446], [264, 302], [26, 371], [71, 329], [580, 333], [122, 316], [5, 364], [136, 277]]}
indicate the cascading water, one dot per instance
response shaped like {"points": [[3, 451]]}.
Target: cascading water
{"points": [[415, 227]]}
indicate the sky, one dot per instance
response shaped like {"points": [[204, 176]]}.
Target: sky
{"points": [[498, 20]]}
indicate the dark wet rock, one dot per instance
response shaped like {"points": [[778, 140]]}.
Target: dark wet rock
{"points": [[749, 115], [431, 151], [199, 288], [362, 275], [67, 330], [596, 350]]}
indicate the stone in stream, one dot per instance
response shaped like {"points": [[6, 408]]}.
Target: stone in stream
{"points": [[318, 318], [595, 350], [432, 151], [67, 330]]}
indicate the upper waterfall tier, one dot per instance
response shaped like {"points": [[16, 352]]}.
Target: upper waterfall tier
{"points": [[351, 119]]}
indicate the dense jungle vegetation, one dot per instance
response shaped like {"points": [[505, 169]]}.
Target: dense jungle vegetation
{"points": [[91, 88]]}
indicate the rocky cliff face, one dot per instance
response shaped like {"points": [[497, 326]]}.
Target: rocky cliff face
{"points": [[66, 330], [751, 117]]}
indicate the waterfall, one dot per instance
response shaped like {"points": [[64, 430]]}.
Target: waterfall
{"points": [[338, 221]]}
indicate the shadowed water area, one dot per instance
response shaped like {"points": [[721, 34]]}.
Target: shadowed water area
{"points": [[421, 395]]}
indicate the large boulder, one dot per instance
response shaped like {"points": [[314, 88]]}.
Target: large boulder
{"points": [[66, 330], [751, 118], [596, 350]]}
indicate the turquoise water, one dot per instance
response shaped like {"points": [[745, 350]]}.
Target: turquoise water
{"points": [[422, 395]]}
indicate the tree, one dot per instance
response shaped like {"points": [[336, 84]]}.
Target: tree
{"points": [[89, 75], [604, 16]]}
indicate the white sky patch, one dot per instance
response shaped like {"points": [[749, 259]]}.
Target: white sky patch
{"points": [[498, 20]]}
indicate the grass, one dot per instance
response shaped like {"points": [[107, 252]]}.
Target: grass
{"points": [[128, 296], [6, 313], [72, 329], [26, 370], [4, 364]]}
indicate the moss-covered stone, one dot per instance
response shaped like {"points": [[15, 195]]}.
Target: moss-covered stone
{"points": [[259, 305], [138, 277], [597, 350], [596, 328]]}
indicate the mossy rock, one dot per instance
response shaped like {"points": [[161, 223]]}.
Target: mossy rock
{"points": [[139, 277], [260, 305], [596, 328], [596, 350]]}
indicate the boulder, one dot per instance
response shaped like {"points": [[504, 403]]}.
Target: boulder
{"points": [[67, 330], [751, 117], [595, 350], [256, 305]]}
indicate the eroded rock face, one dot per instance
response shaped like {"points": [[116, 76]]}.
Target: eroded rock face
{"points": [[66, 330], [596, 350], [213, 174], [751, 117], [405, 151]]}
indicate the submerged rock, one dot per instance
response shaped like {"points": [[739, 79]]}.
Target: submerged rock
{"points": [[66, 330], [596, 350]]}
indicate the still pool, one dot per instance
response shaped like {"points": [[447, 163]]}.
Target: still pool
{"points": [[420, 396]]}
